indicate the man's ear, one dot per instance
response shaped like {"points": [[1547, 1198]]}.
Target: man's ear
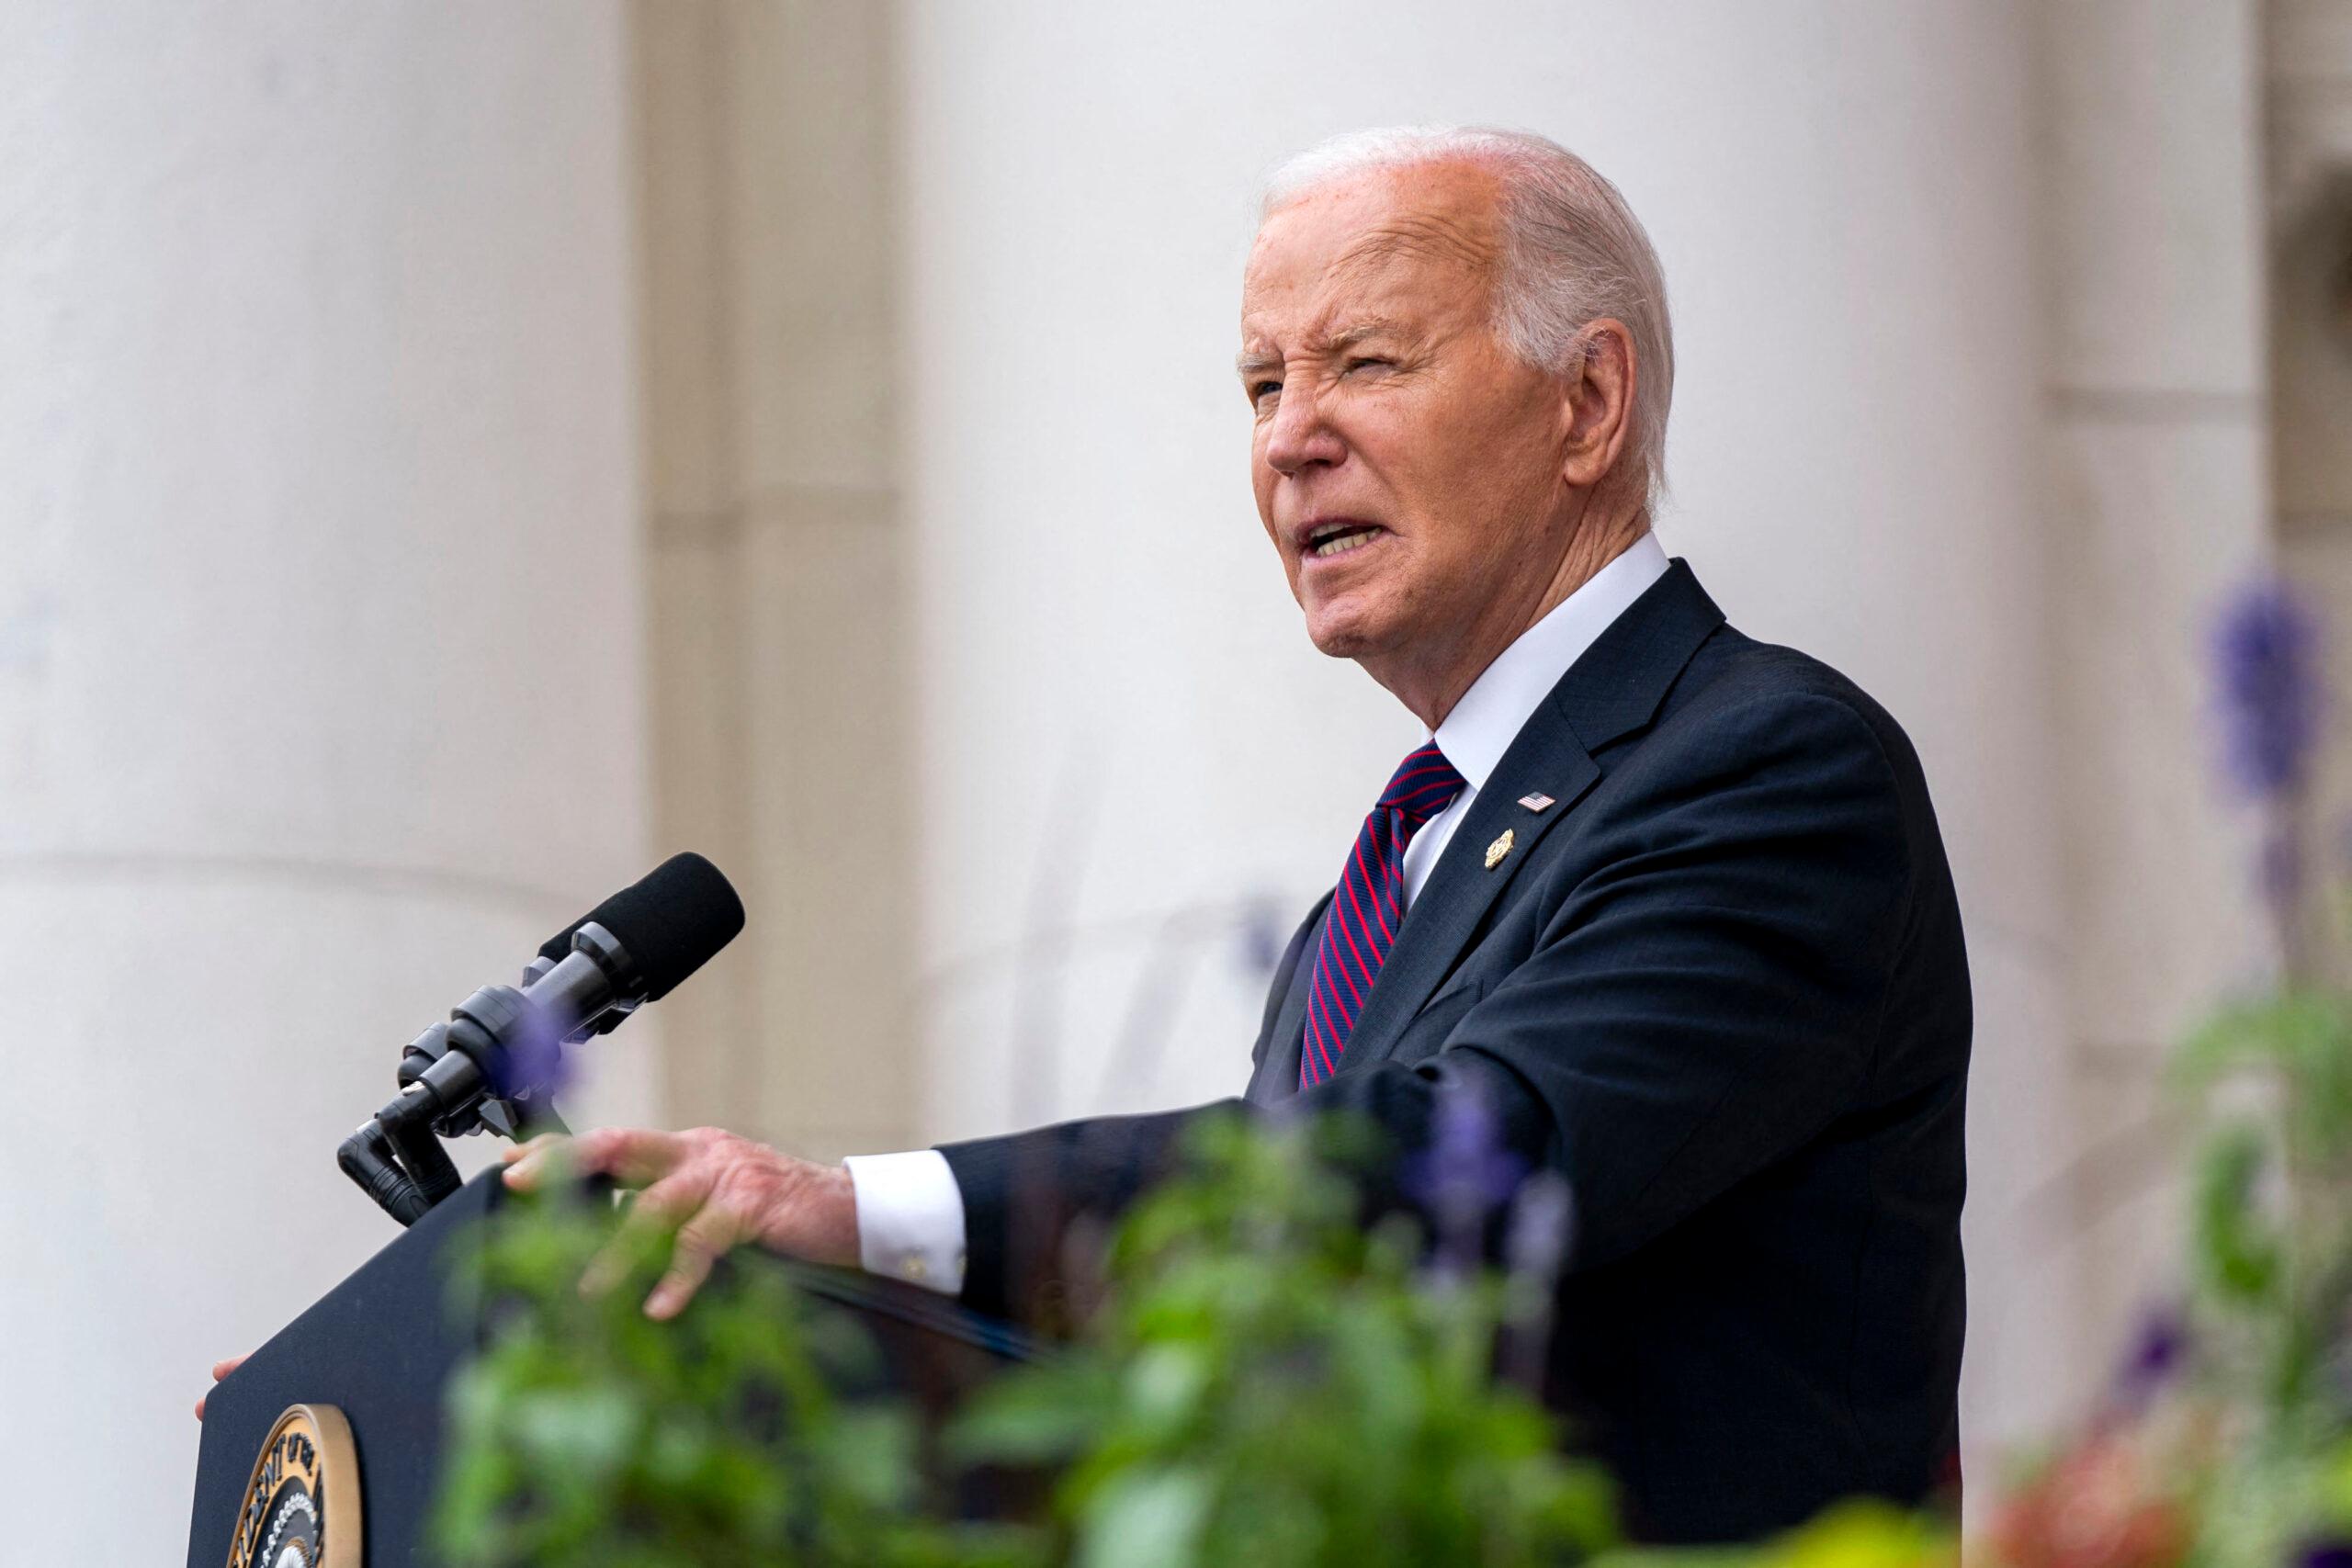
{"points": [[1597, 403]]}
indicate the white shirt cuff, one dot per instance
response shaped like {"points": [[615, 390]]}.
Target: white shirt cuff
{"points": [[910, 1218]]}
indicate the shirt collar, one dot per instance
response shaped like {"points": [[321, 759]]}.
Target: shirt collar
{"points": [[1504, 696]]}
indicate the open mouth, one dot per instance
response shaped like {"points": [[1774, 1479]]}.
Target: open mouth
{"points": [[1328, 539]]}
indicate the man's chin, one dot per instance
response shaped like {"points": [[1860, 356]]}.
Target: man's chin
{"points": [[1344, 632]]}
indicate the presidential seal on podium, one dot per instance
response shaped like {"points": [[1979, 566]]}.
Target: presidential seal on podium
{"points": [[302, 1507]]}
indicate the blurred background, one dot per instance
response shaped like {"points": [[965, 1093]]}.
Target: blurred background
{"points": [[451, 455]]}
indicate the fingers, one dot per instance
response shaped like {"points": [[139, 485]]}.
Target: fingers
{"points": [[663, 1207], [220, 1370], [702, 1241], [526, 1164], [636, 1156], [633, 1156], [714, 1189]]}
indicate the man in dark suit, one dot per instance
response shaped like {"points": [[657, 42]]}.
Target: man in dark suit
{"points": [[1669, 902]]}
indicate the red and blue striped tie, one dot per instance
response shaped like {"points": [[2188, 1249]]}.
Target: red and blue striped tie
{"points": [[1368, 907]]}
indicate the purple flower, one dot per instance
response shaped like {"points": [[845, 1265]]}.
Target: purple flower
{"points": [[533, 1066], [2159, 1350], [1542, 1220], [2326, 1552], [1465, 1175], [2266, 657], [1259, 936]]}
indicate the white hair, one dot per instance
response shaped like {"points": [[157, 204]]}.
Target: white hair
{"points": [[1572, 252]]}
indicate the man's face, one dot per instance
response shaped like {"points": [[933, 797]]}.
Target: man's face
{"points": [[1407, 467]]}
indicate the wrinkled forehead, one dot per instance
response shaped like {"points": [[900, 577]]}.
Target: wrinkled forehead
{"points": [[1381, 239]]}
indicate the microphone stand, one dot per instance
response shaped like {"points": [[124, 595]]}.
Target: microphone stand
{"points": [[396, 1157], [493, 1063]]}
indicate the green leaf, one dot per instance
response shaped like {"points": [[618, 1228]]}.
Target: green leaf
{"points": [[585, 1433], [1165, 1385], [1145, 1518], [2238, 1250], [2275, 1030], [1024, 1418]]}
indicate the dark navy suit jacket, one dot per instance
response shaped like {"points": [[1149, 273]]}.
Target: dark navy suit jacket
{"points": [[1720, 986]]}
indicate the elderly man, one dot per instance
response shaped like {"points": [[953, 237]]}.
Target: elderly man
{"points": [[1671, 901]]}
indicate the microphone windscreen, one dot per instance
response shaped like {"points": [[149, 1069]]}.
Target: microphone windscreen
{"points": [[555, 949], [669, 923]]}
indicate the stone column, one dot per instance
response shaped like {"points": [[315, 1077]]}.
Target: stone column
{"points": [[320, 653], [780, 627], [2308, 83], [2158, 505]]}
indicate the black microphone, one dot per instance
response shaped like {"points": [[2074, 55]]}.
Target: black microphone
{"points": [[498, 1058], [633, 948], [671, 922]]}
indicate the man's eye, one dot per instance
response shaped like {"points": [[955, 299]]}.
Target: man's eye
{"points": [[1259, 390], [1362, 361]]}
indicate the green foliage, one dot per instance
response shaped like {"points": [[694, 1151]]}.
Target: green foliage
{"points": [[1270, 1381], [1267, 1381], [1864, 1535], [2237, 1451], [2271, 1210], [589, 1435]]}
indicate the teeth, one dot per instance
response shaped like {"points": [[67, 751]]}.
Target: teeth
{"points": [[1339, 543]]}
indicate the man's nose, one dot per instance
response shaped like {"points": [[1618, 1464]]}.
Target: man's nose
{"points": [[1300, 435]]}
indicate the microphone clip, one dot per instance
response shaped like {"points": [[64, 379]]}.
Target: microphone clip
{"points": [[493, 1067], [499, 1060]]}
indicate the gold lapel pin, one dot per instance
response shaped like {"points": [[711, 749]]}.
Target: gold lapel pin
{"points": [[1536, 801], [1499, 848]]}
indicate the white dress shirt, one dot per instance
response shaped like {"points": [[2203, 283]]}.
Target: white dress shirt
{"points": [[910, 1211]]}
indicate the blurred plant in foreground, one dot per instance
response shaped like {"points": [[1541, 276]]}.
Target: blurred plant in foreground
{"points": [[2228, 1440], [2272, 700], [588, 1436], [1271, 1381]]}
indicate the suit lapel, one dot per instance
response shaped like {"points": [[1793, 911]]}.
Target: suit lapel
{"points": [[1614, 688], [1544, 759], [1277, 1073]]}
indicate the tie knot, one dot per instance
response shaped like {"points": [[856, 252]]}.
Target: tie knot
{"points": [[1424, 784]]}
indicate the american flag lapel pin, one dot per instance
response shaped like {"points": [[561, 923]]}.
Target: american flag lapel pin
{"points": [[1537, 802]]}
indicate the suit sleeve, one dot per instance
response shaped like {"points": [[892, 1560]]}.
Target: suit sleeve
{"points": [[1026, 1195], [1704, 998]]}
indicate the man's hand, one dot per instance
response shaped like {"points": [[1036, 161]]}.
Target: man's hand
{"points": [[220, 1370], [714, 1189]]}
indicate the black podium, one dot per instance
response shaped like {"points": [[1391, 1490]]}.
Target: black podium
{"points": [[357, 1381]]}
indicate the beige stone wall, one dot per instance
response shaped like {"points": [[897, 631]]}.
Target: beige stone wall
{"points": [[321, 657], [2158, 497], [2308, 83], [779, 624], [2308, 69]]}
